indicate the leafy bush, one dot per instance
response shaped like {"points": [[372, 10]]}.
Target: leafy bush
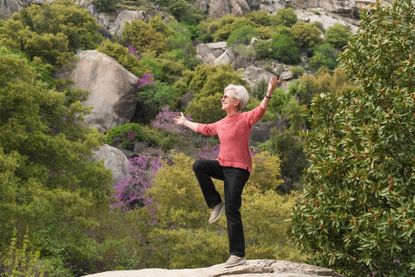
{"points": [[108, 6], [126, 57], [242, 35], [338, 35], [261, 18], [286, 17], [52, 32], [356, 213], [306, 35], [124, 136], [206, 109], [297, 71], [220, 29], [143, 37], [284, 49], [324, 55]]}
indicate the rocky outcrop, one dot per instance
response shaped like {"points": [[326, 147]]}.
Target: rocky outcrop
{"points": [[253, 268], [327, 19], [214, 53], [114, 160], [112, 89], [124, 17], [7, 7]]}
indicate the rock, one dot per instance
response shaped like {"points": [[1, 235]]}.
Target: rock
{"points": [[253, 75], [327, 19], [209, 52], [253, 268], [112, 89], [114, 160], [8, 7], [124, 17], [227, 57]]}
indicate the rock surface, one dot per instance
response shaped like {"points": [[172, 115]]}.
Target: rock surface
{"points": [[112, 89], [114, 160], [253, 268]]}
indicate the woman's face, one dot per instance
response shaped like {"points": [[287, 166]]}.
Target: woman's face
{"points": [[229, 104]]}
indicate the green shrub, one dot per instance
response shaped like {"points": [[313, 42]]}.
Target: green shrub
{"points": [[242, 35], [324, 55], [284, 49], [123, 56], [206, 109], [297, 71], [108, 6], [261, 18], [143, 37], [52, 32], [306, 35], [338, 35], [356, 213], [286, 17]]}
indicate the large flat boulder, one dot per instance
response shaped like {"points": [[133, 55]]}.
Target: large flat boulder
{"points": [[112, 89], [253, 268]]}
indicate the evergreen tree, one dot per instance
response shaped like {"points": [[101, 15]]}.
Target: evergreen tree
{"points": [[357, 210]]}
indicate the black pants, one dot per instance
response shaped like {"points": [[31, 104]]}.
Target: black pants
{"points": [[234, 181]]}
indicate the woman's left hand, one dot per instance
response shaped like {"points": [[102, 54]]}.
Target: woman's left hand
{"points": [[273, 83]]}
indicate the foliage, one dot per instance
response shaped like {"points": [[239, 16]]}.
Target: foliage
{"points": [[324, 55], [126, 135], [46, 155], [51, 32], [152, 98], [206, 109], [213, 29], [306, 35], [356, 213], [284, 49], [242, 35], [338, 35], [181, 238], [297, 71], [108, 6], [208, 80], [125, 56], [265, 173], [21, 261], [143, 37], [286, 17], [130, 191], [289, 148], [260, 17]]}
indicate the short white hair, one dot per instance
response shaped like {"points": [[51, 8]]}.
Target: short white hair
{"points": [[240, 93]]}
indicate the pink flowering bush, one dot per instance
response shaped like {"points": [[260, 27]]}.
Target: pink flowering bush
{"points": [[130, 191]]}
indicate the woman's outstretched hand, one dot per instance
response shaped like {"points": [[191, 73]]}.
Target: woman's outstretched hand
{"points": [[179, 119], [273, 83]]}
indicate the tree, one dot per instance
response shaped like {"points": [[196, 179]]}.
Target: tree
{"points": [[324, 55], [143, 37], [306, 34], [47, 166], [284, 49], [51, 32], [338, 35], [357, 210], [286, 17]]}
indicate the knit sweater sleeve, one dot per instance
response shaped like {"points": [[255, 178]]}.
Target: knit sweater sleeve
{"points": [[208, 129], [253, 116]]}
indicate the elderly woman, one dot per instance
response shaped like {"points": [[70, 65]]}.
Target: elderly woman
{"points": [[233, 164]]}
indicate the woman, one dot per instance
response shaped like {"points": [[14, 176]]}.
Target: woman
{"points": [[233, 164]]}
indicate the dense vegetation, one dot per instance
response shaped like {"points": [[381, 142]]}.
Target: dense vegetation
{"points": [[61, 215], [357, 210]]}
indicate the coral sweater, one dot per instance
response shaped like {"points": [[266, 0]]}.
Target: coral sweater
{"points": [[234, 132]]}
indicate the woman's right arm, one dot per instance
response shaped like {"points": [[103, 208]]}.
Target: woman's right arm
{"points": [[181, 120]]}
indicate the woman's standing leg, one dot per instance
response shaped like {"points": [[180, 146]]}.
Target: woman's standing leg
{"points": [[235, 180]]}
